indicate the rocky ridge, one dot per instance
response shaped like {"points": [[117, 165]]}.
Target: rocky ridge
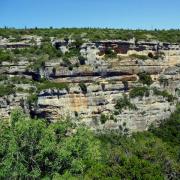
{"points": [[103, 79]]}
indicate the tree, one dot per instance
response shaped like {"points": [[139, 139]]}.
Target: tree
{"points": [[32, 149]]}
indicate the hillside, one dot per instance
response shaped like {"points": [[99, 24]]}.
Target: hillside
{"points": [[108, 84]]}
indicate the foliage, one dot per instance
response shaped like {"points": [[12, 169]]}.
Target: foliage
{"points": [[169, 130], [165, 94], [20, 80], [83, 87], [3, 77], [171, 35], [104, 118], [124, 102], [136, 56], [6, 90], [139, 92], [141, 156], [32, 99], [34, 149], [78, 42], [5, 56], [73, 52], [110, 54], [47, 48], [51, 85], [145, 78]]}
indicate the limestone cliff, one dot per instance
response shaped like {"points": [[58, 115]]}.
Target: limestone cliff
{"points": [[105, 81]]}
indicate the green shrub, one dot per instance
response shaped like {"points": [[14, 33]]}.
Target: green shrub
{"points": [[3, 77], [20, 80], [73, 52], [51, 85], [83, 87], [110, 54], [165, 94], [136, 56], [150, 55], [6, 90], [6, 56], [71, 67], [123, 103], [66, 62], [104, 118], [169, 131], [145, 78], [38, 64], [139, 92], [32, 99]]}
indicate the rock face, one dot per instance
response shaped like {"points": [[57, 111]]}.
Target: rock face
{"points": [[104, 82], [87, 108], [12, 102]]}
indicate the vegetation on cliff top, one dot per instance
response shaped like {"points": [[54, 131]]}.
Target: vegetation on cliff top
{"points": [[32, 148], [171, 35]]}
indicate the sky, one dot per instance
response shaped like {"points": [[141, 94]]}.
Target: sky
{"points": [[131, 14]]}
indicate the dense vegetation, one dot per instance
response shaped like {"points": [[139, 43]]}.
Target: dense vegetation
{"points": [[96, 33], [139, 92], [6, 90], [32, 148], [145, 78]]}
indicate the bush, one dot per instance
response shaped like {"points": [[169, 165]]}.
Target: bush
{"points": [[145, 78], [150, 55], [51, 85], [73, 52], [66, 62], [139, 92], [83, 87], [3, 77], [32, 99], [169, 130], [110, 54], [136, 56], [103, 118], [71, 67], [124, 103], [5, 56], [165, 94], [6, 90]]}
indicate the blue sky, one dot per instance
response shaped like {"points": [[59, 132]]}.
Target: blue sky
{"points": [[133, 14]]}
